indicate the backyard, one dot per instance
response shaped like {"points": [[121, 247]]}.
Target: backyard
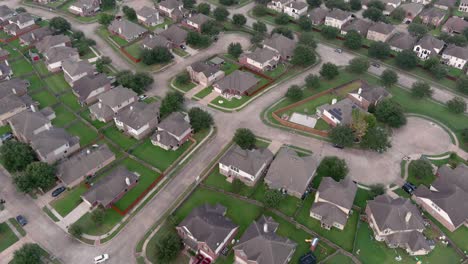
{"points": [[21, 67], [119, 138], [85, 133], [57, 83]]}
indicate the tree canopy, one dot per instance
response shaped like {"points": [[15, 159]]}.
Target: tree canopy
{"points": [[332, 166], [379, 50], [157, 55], [406, 60], [330, 32], [273, 198], [390, 112], [36, 175], [172, 102], [16, 156], [239, 20], [235, 49], [377, 139], [245, 138], [312, 81], [200, 119], [59, 25], [27, 254], [294, 93], [283, 31], [129, 13], [221, 14], [388, 78], [303, 56], [138, 82], [329, 71], [342, 136], [353, 40], [457, 105], [421, 89], [358, 65], [167, 247]]}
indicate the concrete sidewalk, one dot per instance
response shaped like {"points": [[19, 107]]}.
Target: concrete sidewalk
{"points": [[74, 215], [209, 98], [194, 91]]}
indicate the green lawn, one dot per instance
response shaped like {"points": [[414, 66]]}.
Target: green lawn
{"points": [[111, 218], [35, 83], [203, 93], [21, 67], [217, 180], [134, 49], [147, 177], [45, 98], [233, 103], [310, 107], [402, 193], [5, 129], [17, 226], [459, 236], [229, 67], [339, 259], [180, 52], [13, 52], [118, 40], [69, 200], [86, 134], [96, 123], [41, 68], [7, 237], [280, 69], [63, 116], [289, 205], [57, 83], [184, 86], [361, 198], [157, 156], [322, 125], [50, 214], [416, 179], [71, 101], [119, 138]]}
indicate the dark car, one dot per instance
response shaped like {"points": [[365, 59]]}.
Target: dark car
{"points": [[183, 47], [375, 64], [408, 187], [21, 220], [6, 137], [338, 146], [58, 191]]}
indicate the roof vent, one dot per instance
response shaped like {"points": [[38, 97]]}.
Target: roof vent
{"points": [[334, 101], [127, 181]]}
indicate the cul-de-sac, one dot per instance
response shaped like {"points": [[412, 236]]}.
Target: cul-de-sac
{"points": [[233, 131]]}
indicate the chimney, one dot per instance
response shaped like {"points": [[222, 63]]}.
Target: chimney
{"points": [[265, 228], [359, 91], [165, 26], [99, 105], [334, 101], [408, 217], [88, 151], [131, 108], [127, 181], [33, 108], [14, 90], [158, 137]]}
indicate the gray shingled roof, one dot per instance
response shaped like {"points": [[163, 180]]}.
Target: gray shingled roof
{"points": [[261, 55], [456, 24], [447, 3], [36, 34], [170, 4], [317, 14], [207, 69], [340, 193], [146, 11], [116, 96], [298, 5], [290, 171], [429, 42], [249, 161], [342, 110], [26, 122], [126, 28], [412, 8], [285, 46], [175, 34], [199, 19], [414, 240], [108, 188], [153, 41], [57, 54], [138, 114], [208, 223], [176, 123], [402, 41], [5, 11], [13, 86], [339, 14], [372, 93], [21, 18], [85, 4], [84, 86], [456, 51], [359, 25], [382, 28], [265, 247], [164, 138], [433, 12], [52, 139], [51, 41], [73, 67], [239, 81]]}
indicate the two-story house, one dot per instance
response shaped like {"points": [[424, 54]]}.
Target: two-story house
{"points": [[34, 36], [127, 30], [296, 9], [463, 7], [85, 7], [337, 18], [196, 21], [204, 74], [27, 124], [52, 41], [149, 16], [278, 5], [455, 25], [173, 9], [112, 102], [75, 70], [367, 95], [53, 144], [381, 32], [175, 34], [5, 14], [428, 47], [412, 10], [402, 41], [54, 57], [445, 4], [361, 26], [139, 119], [317, 16], [172, 132], [88, 88], [432, 16], [455, 56], [19, 24], [282, 45], [13, 98], [260, 59], [338, 113]]}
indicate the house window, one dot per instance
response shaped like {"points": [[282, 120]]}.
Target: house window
{"points": [[235, 169]]}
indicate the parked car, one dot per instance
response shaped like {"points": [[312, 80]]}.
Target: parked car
{"points": [[375, 64], [5, 137], [338, 146], [21, 220], [339, 50], [101, 258], [183, 47], [58, 191], [408, 187], [142, 97]]}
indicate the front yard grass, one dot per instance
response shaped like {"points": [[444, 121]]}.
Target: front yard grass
{"points": [[184, 86], [417, 180], [50, 214], [62, 116], [17, 226], [204, 93], [230, 104], [119, 138], [280, 69], [5, 129], [96, 123], [35, 83], [45, 98], [70, 100], [111, 218], [157, 156], [57, 83], [69, 200], [41, 68], [180, 52], [81, 130], [7, 237], [339, 259], [21, 67], [217, 180], [289, 205], [361, 198], [14, 52]]}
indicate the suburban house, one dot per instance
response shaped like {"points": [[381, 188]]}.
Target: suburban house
{"points": [[317, 16], [381, 32], [463, 7], [13, 98], [89, 87], [127, 30], [445, 4], [195, 21], [428, 46], [111, 102], [34, 36], [173, 9], [19, 24], [398, 222], [53, 144], [423, 2], [281, 44], [432, 16], [455, 25], [5, 70], [139, 119], [260, 59], [85, 7], [4, 54], [446, 198], [246, 165], [361, 26], [152, 41], [455, 56], [333, 202], [390, 5], [176, 35], [75, 70], [337, 18], [236, 84], [54, 57], [278, 5], [6, 13], [261, 245], [204, 74], [402, 41], [338, 113], [412, 10], [52, 41], [75, 169], [26, 124], [172, 132], [111, 188], [290, 172], [207, 230], [149, 16], [368, 95], [296, 9]]}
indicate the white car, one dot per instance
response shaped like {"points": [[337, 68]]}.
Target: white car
{"points": [[100, 259]]}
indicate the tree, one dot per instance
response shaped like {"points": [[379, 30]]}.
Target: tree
{"points": [[377, 189], [189, 4], [342, 136], [358, 65], [282, 19], [200, 119], [220, 14], [156, 55], [421, 168], [129, 13], [464, 135], [305, 23], [294, 93], [210, 28], [340, 4], [438, 71], [379, 50], [462, 84], [260, 27], [312, 81], [373, 14], [239, 20], [457, 105], [398, 14], [359, 124], [303, 56], [314, 3], [332, 166], [107, 4], [204, 8], [244, 138], [273, 198], [330, 32], [198, 40], [355, 5], [105, 19], [235, 49], [75, 230], [260, 10], [353, 40], [307, 39], [27, 254], [388, 78], [257, 38], [228, 2], [406, 60], [377, 139], [138, 82], [376, 4], [329, 71], [172, 102], [167, 248], [183, 78], [421, 89], [20, 10], [59, 25], [16, 156], [97, 216], [283, 31], [390, 112], [41, 175], [431, 62], [417, 30], [262, 2]]}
